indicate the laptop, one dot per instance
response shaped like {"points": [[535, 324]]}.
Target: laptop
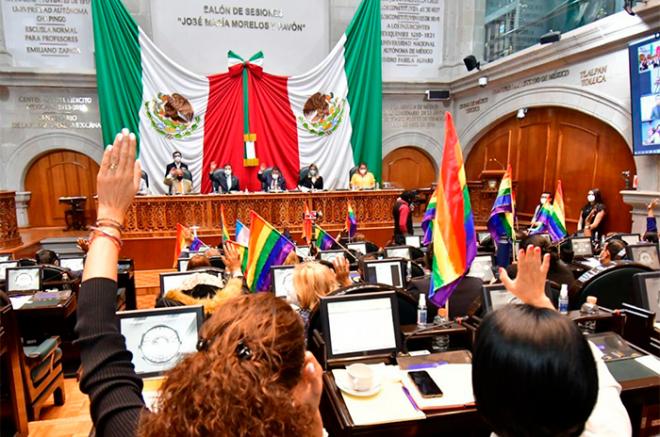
{"points": [[360, 325], [23, 280], [581, 247], [302, 251], [158, 339], [359, 247], [4, 265], [414, 241], [482, 268], [384, 271], [647, 292], [398, 252], [330, 255], [644, 253], [283, 281], [73, 263]]}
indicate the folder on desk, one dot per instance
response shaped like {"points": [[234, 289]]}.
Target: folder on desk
{"points": [[455, 381]]}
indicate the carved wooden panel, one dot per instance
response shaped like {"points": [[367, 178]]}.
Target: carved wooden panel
{"points": [[9, 235]]}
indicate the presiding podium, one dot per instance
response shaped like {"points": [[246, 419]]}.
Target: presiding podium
{"points": [[483, 194], [74, 216]]}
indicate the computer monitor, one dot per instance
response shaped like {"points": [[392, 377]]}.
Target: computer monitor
{"points": [[644, 253], [647, 291], [398, 252], [302, 251], [171, 281], [358, 325], [581, 247], [630, 239], [384, 271], [182, 264], [23, 279], [5, 257], [159, 338], [496, 296], [359, 247], [330, 255], [414, 241], [482, 237], [283, 281], [73, 263], [482, 268], [4, 265]]}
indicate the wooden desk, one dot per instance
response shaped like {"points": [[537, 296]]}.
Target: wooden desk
{"points": [[9, 235], [150, 226], [337, 420]]}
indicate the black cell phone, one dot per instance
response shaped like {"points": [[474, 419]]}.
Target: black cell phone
{"points": [[425, 384]]}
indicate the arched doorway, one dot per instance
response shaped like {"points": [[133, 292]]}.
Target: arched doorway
{"points": [[553, 143], [55, 174], [409, 167]]}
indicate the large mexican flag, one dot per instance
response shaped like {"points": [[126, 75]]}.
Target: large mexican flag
{"points": [[330, 115]]}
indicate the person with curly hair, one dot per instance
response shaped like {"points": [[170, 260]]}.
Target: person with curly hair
{"points": [[250, 376]]}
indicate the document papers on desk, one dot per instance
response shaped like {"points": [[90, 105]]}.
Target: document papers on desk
{"points": [[455, 381]]}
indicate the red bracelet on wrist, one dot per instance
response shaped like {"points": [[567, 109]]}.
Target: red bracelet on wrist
{"points": [[97, 232]]}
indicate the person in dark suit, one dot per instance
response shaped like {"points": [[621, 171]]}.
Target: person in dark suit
{"points": [[223, 181], [271, 181], [312, 180], [177, 164]]}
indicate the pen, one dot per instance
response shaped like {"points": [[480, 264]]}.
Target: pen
{"points": [[410, 398]]}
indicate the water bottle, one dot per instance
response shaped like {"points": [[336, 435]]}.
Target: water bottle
{"points": [[409, 271], [421, 311], [589, 308], [440, 342], [563, 299]]}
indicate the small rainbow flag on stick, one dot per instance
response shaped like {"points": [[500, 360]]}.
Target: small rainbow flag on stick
{"points": [[324, 241], [501, 220], [454, 237], [552, 217], [182, 235], [427, 221], [225, 231], [351, 221], [267, 248]]}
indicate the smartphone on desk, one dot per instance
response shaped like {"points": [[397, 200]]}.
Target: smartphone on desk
{"points": [[425, 384]]}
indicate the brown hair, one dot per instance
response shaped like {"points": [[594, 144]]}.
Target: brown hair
{"points": [[197, 261], [312, 280], [219, 391]]}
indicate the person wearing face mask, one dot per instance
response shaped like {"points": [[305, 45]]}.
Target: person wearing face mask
{"points": [[592, 215], [172, 166], [177, 183], [224, 180], [273, 181], [545, 197], [363, 179], [312, 181]]}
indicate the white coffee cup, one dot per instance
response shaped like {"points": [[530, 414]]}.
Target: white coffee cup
{"points": [[360, 376]]}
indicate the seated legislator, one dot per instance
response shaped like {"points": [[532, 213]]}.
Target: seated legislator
{"points": [[271, 181], [363, 179], [613, 250], [250, 374], [223, 181], [178, 185], [559, 272], [312, 180], [568, 389]]}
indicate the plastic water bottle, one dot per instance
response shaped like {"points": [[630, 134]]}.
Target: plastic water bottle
{"points": [[563, 299], [421, 311], [409, 271], [589, 308], [440, 342]]}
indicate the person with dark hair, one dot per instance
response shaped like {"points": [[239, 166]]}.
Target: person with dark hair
{"points": [[559, 272], [225, 181], [546, 196], [614, 250], [313, 180], [402, 214], [535, 374], [176, 164], [250, 376], [47, 257], [363, 179], [273, 181], [592, 215], [198, 262], [651, 234]]}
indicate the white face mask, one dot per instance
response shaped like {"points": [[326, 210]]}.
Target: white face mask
{"points": [[177, 159], [543, 200], [227, 172], [276, 176], [591, 198], [312, 172], [363, 171]]}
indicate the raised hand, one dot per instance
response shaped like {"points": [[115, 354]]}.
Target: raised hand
{"points": [[529, 285], [342, 270], [231, 258], [213, 166]]}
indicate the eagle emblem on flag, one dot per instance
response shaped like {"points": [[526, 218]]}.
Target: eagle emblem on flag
{"points": [[172, 115], [322, 114]]}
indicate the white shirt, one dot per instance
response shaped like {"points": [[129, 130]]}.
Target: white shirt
{"points": [[228, 182]]}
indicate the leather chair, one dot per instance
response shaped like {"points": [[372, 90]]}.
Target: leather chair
{"points": [[351, 172], [612, 287], [145, 176], [265, 175], [304, 172], [40, 365]]}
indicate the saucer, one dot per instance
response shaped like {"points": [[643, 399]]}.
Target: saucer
{"points": [[344, 385]]}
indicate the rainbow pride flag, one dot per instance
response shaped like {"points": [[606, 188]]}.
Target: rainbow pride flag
{"points": [[454, 236], [427, 221], [324, 241], [182, 235], [242, 233], [351, 221], [267, 248], [501, 220], [225, 231], [552, 217]]}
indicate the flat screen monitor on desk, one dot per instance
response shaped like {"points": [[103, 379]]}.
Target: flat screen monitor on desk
{"points": [[482, 268], [73, 263], [647, 291], [302, 251], [283, 281], [630, 238], [330, 255], [384, 271], [414, 241], [360, 247], [5, 257], [4, 265], [397, 252], [360, 324], [581, 247], [23, 279], [644, 253], [172, 281], [182, 264], [496, 296]]}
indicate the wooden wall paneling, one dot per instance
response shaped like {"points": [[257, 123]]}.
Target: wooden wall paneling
{"points": [[533, 156], [409, 168]]}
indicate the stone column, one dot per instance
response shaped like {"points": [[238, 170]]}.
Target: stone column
{"points": [[5, 56], [638, 200], [22, 203], [9, 236]]}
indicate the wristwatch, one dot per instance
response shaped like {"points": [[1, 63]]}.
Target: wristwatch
{"points": [[160, 344]]}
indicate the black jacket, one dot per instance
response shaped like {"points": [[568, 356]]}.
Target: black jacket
{"points": [[171, 165], [307, 183], [219, 181]]}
